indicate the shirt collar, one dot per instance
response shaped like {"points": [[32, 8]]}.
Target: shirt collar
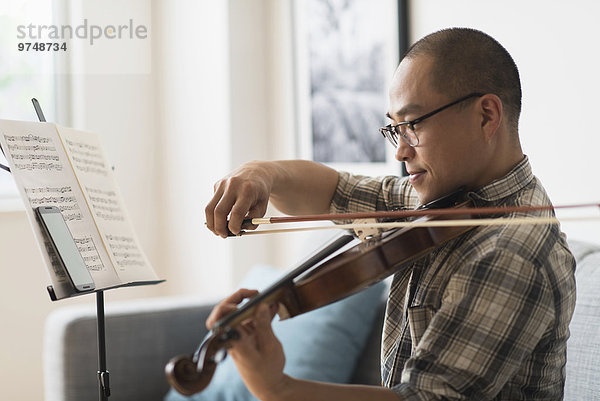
{"points": [[516, 179]]}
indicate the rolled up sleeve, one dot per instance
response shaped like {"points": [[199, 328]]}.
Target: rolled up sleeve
{"points": [[357, 193]]}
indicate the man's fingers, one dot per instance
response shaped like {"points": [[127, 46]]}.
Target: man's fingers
{"points": [[257, 210], [238, 214], [219, 312], [240, 295], [262, 324], [236, 202], [217, 210], [222, 210], [243, 193], [264, 314], [228, 305], [256, 335], [209, 210]]}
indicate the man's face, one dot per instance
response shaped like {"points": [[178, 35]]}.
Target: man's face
{"points": [[451, 152]]}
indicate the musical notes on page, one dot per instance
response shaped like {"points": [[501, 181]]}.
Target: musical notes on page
{"points": [[87, 249], [45, 177], [125, 251], [100, 189], [33, 152], [66, 168], [86, 157], [105, 204], [89, 252], [62, 197]]}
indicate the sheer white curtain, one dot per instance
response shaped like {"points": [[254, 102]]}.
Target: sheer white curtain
{"points": [[24, 74]]}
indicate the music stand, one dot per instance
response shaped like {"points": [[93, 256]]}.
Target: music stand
{"points": [[103, 374]]}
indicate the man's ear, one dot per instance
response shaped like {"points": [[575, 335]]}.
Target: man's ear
{"points": [[492, 113]]}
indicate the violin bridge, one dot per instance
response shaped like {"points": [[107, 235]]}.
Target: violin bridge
{"points": [[364, 232]]}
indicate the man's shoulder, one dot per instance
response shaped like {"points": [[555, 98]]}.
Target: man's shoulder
{"points": [[534, 241]]}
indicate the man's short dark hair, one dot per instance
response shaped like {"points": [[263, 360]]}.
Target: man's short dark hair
{"points": [[467, 60]]}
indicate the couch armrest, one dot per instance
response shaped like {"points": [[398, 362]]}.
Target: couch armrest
{"points": [[141, 336]]}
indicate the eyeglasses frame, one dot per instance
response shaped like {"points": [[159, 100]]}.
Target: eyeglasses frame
{"points": [[391, 132]]}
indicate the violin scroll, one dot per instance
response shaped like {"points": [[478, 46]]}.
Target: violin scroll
{"points": [[183, 376], [191, 374]]}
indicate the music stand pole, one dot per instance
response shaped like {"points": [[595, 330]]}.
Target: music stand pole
{"points": [[103, 376]]}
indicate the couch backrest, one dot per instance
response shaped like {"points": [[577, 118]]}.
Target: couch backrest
{"points": [[583, 347]]}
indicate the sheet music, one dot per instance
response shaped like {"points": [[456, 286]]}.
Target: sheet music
{"points": [[44, 177], [101, 192]]}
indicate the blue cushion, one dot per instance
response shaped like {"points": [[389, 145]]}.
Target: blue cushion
{"points": [[320, 345]]}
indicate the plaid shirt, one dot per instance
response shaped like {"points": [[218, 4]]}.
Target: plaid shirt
{"points": [[484, 316]]}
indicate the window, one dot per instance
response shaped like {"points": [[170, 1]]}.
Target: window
{"points": [[23, 75]]}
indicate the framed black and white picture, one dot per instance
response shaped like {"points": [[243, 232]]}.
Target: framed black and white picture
{"points": [[346, 54]]}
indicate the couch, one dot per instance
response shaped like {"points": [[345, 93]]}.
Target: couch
{"points": [[142, 335]]}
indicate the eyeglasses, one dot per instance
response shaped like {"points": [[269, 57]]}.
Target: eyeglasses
{"points": [[406, 129]]}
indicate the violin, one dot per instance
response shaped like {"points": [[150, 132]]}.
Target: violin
{"points": [[318, 281]]}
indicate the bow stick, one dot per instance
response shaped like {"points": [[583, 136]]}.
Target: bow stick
{"points": [[409, 213], [418, 222]]}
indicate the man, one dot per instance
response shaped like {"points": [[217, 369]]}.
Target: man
{"points": [[485, 316]]}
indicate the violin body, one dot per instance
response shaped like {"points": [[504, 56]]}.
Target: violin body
{"points": [[317, 282]]}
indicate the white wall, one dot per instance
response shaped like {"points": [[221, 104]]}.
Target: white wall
{"points": [[554, 44], [193, 126]]}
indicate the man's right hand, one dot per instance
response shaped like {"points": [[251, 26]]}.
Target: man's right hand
{"points": [[243, 193], [293, 186]]}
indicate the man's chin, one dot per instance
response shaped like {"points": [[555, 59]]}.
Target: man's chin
{"points": [[426, 197]]}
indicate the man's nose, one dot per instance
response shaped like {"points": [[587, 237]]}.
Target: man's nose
{"points": [[404, 151]]}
